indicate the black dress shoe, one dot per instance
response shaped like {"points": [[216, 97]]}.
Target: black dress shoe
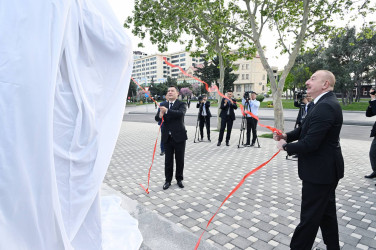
{"points": [[180, 184], [209, 139], [227, 144], [252, 144], [162, 153], [247, 145], [218, 144], [373, 175], [166, 185]]}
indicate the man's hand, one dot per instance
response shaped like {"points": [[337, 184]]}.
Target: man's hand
{"points": [[162, 111], [278, 137], [280, 144]]}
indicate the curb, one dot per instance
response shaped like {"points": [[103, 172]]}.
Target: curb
{"points": [[267, 118]]}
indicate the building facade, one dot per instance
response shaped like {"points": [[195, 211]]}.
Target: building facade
{"points": [[251, 74]]}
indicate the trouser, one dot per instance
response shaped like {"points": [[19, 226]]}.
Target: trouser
{"points": [[227, 121], [318, 209], [372, 154], [178, 148], [204, 120], [251, 127]]}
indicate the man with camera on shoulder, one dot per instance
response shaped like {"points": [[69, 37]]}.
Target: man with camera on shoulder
{"points": [[204, 115], [251, 105], [304, 102], [371, 111]]}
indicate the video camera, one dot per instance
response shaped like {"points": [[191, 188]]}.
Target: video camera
{"points": [[300, 95], [200, 98], [246, 95]]}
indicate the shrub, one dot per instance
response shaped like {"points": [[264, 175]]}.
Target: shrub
{"points": [[260, 98]]}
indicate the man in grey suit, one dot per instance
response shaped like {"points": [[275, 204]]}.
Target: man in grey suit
{"points": [[320, 163]]}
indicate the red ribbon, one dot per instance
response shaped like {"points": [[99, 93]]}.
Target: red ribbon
{"points": [[156, 140], [215, 89], [232, 192]]}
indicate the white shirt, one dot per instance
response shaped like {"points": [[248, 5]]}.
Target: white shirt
{"points": [[318, 98]]}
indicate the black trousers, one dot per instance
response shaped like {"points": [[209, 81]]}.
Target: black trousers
{"points": [[372, 154], [251, 127], [172, 147], [204, 120], [227, 121], [318, 209]]}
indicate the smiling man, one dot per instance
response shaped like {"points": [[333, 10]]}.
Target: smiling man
{"points": [[174, 135], [320, 163]]}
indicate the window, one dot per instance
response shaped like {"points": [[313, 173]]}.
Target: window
{"points": [[247, 66], [182, 60], [263, 87], [247, 87], [247, 76], [175, 61], [263, 77], [238, 88], [242, 76], [181, 55], [242, 66], [182, 64], [173, 57]]}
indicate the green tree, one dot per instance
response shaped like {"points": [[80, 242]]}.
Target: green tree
{"points": [[167, 21], [210, 72], [295, 22], [132, 90]]}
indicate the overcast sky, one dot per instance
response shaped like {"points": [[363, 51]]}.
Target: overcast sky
{"points": [[123, 9]]}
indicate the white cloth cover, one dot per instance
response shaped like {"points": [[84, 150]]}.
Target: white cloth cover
{"points": [[64, 74]]}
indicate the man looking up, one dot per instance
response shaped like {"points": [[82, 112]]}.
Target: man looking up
{"points": [[174, 135], [320, 163], [227, 117]]}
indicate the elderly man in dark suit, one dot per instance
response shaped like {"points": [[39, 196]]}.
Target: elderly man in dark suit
{"points": [[227, 117], [204, 116], [320, 164], [174, 135], [371, 111]]}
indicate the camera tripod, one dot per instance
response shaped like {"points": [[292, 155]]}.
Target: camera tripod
{"points": [[301, 115], [197, 126], [243, 127]]}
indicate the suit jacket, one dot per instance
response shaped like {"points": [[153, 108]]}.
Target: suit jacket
{"points": [[320, 158], [207, 106], [227, 107], [371, 111], [301, 106], [173, 121]]}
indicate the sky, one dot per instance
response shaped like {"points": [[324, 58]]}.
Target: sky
{"points": [[123, 9]]}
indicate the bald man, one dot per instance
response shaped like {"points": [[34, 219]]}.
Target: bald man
{"points": [[320, 163]]}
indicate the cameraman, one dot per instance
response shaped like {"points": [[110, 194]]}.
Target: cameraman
{"points": [[303, 101], [371, 111], [252, 105], [204, 115]]}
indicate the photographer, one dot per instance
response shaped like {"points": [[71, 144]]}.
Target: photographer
{"points": [[371, 111], [252, 105], [303, 101], [204, 115]]}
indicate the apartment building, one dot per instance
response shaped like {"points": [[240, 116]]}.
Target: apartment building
{"points": [[251, 74], [251, 77]]}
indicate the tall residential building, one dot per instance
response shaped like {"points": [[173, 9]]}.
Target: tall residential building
{"points": [[251, 73]]}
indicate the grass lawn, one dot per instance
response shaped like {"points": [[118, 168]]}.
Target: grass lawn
{"points": [[355, 106]]}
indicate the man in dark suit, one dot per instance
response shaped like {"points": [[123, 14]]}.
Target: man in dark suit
{"points": [[174, 135], [204, 116], [227, 117], [371, 111], [320, 163]]}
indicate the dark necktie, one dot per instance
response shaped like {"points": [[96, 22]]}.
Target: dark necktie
{"points": [[171, 105]]}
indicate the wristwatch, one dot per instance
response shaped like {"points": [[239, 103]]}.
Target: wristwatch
{"points": [[284, 146]]}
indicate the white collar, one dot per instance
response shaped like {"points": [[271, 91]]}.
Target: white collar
{"points": [[318, 98]]}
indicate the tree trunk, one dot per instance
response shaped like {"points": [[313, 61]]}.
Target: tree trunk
{"points": [[221, 86]]}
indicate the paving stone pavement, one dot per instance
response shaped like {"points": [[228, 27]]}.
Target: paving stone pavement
{"points": [[263, 213]]}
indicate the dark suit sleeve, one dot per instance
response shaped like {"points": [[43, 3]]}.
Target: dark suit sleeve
{"points": [[157, 118], [207, 104], [223, 104], [171, 114], [296, 104], [234, 106], [293, 135], [371, 110], [198, 105], [320, 123]]}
